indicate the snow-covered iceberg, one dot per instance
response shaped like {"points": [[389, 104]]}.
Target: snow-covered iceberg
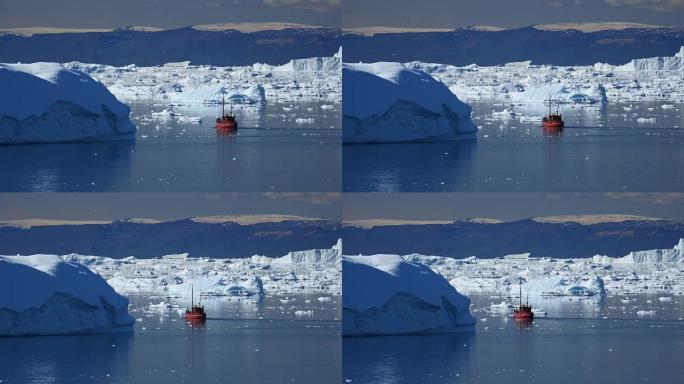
{"points": [[666, 63], [45, 102], [670, 255], [326, 255], [388, 102], [45, 295], [387, 295], [312, 64], [560, 93]]}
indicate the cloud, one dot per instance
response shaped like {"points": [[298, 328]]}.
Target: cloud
{"points": [[313, 5], [653, 198], [311, 198], [653, 5]]}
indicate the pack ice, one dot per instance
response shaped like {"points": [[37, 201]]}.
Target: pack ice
{"points": [[646, 271], [387, 295], [315, 78], [643, 79], [388, 102], [47, 103], [307, 271], [45, 295]]}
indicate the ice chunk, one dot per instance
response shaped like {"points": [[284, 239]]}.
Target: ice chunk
{"points": [[385, 294], [561, 286], [672, 255], [45, 102], [561, 93], [45, 295], [388, 102]]}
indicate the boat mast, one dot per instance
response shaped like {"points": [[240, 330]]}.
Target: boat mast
{"points": [[192, 296], [520, 294], [223, 102]]}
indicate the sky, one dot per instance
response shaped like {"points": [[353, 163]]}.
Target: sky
{"points": [[163, 13], [163, 206], [506, 206], [506, 13]]}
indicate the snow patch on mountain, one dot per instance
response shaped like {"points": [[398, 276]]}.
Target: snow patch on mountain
{"points": [[46, 295], [387, 295], [45, 102]]}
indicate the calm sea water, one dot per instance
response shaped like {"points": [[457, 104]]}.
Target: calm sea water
{"points": [[587, 341], [241, 342], [272, 152], [600, 150]]}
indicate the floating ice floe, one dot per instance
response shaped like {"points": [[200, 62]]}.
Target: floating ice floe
{"points": [[387, 295], [45, 295], [47, 103], [388, 102]]}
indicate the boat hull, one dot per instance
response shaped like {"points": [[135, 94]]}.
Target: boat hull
{"points": [[226, 127], [195, 317]]}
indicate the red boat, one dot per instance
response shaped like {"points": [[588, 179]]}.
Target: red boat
{"points": [[196, 312], [553, 120], [524, 311], [226, 123]]}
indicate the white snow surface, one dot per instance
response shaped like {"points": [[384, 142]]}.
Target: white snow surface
{"points": [[46, 295], [388, 102], [385, 294], [647, 79], [308, 79], [46, 102], [310, 271]]}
